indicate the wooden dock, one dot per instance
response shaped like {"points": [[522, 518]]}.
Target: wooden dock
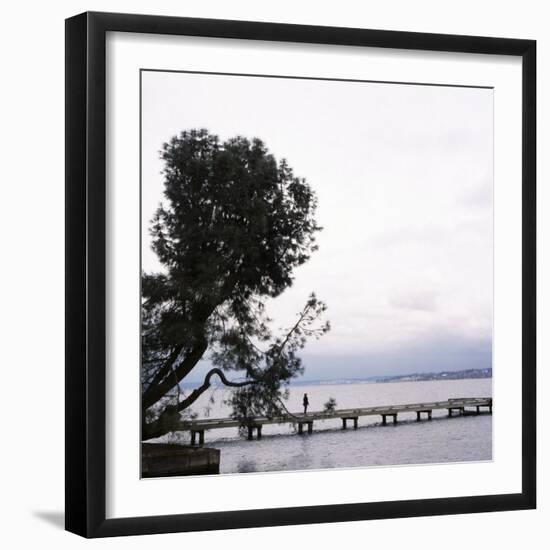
{"points": [[456, 406]]}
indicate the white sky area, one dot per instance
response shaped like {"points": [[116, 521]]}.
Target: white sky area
{"points": [[404, 180]]}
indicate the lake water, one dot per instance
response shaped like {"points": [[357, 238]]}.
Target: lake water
{"points": [[457, 439]]}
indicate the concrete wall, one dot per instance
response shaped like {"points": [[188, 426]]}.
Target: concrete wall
{"points": [[161, 459]]}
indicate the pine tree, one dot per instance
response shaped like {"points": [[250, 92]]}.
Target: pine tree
{"points": [[233, 226]]}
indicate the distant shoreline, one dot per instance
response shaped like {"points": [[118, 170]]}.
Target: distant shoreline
{"points": [[466, 374]]}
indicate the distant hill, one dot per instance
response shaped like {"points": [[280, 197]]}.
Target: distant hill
{"points": [[443, 375], [414, 377]]}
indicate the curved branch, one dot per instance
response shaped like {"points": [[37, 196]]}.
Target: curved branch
{"points": [[196, 393]]}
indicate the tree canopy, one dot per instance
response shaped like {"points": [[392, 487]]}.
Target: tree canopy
{"points": [[233, 226]]}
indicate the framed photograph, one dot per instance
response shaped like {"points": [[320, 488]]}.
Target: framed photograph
{"points": [[300, 279]]}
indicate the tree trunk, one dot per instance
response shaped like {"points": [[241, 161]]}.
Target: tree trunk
{"points": [[169, 419], [157, 391]]}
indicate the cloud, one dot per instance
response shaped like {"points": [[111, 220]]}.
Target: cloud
{"points": [[439, 351], [403, 176], [418, 300], [430, 353], [479, 196]]}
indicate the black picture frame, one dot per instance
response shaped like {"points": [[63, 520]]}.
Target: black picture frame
{"points": [[86, 275]]}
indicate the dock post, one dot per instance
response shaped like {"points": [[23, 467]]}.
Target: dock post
{"points": [[395, 418], [450, 412], [429, 415], [250, 433], [418, 416], [477, 409], [310, 427], [259, 431], [383, 420], [193, 433], [355, 422], [462, 410], [344, 424], [201, 437], [300, 428]]}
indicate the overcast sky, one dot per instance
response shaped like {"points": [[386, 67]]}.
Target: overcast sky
{"points": [[404, 179]]}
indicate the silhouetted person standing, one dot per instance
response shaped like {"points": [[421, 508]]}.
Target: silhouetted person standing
{"points": [[306, 403]]}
